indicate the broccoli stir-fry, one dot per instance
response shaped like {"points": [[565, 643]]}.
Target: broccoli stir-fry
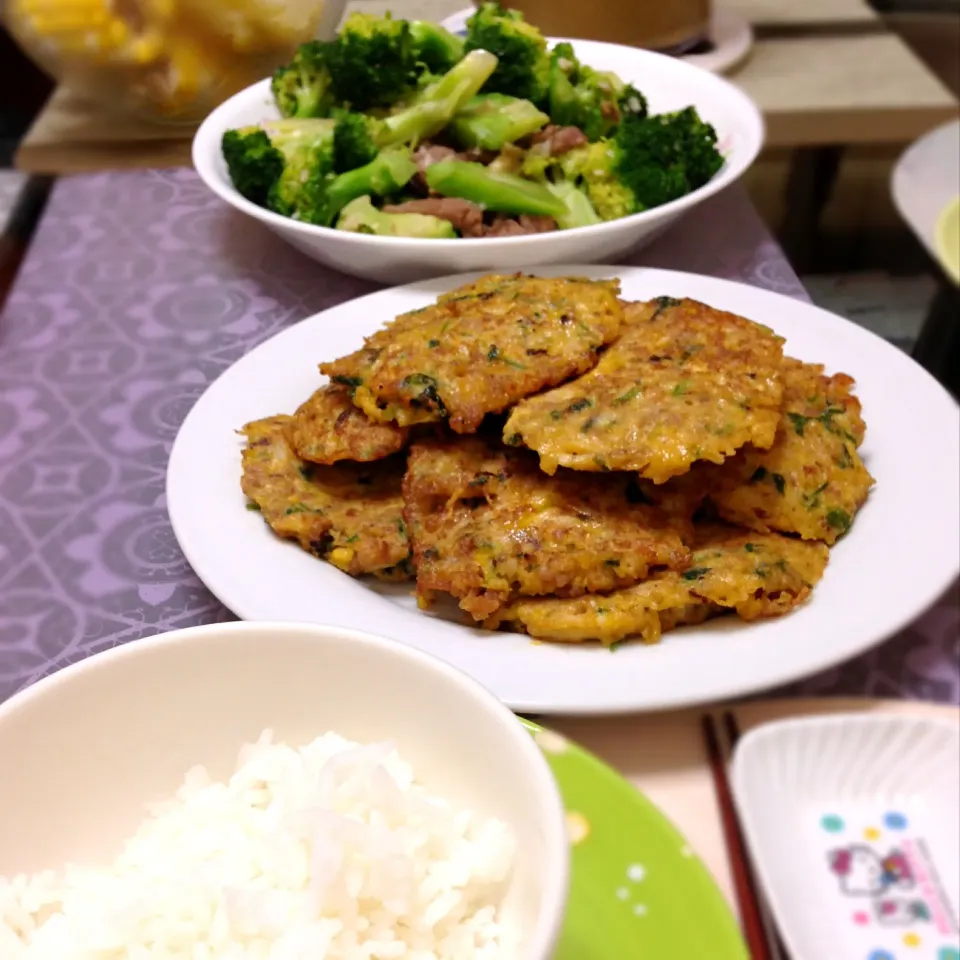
{"points": [[399, 128]]}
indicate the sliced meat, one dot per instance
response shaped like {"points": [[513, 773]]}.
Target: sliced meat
{"points": [[427, 154], [559, 140], [518, 227], [465, 216], [478, 155], [537, 224]]}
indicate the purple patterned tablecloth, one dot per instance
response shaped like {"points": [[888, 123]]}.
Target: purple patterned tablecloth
{"points": [[139, 289]]}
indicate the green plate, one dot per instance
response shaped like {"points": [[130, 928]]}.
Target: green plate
{"points": [[638, 891]]}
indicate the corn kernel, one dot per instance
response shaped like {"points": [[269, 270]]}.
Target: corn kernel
{"points": [[341, 557]]}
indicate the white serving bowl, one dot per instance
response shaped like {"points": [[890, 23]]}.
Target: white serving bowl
{"points": [[669, 84], [90, 746]]}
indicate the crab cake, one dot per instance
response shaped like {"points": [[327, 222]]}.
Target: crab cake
{"points": [[811, 481], [683, 383], [480, 349], [756, 575], [328, 428], [486, 524], [349, 514]]}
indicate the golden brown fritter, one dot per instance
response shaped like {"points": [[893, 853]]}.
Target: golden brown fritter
{"points": [[486, 524], [756, 575], [328, 428], [683, 383], [811, 481], [480, 349], [349, 514]]}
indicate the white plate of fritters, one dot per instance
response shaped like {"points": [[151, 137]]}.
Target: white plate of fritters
{"points": [[596, 490]]}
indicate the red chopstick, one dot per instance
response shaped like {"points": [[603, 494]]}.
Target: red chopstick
{"points": [[755, 926]]}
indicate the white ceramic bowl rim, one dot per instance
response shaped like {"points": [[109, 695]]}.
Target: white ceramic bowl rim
{"points": [[206, 147], [546, 929]]}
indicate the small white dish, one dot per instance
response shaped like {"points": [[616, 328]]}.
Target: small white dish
{"points": [[668, 84], [90, 746], [853, 823]]}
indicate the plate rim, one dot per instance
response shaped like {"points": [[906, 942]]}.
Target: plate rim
{"points": [[771, 676]]}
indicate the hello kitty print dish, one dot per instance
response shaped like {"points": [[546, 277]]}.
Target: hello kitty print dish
{"points": [[853, 821]]}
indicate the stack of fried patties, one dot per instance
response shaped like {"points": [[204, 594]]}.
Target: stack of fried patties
{"points": [[569, 464]]}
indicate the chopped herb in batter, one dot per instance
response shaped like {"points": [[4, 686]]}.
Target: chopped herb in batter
{"points": [[631, 394], [696, 573], [812, 500], [839, 519]]}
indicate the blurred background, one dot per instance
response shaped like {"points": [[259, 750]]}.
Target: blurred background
{"points": [[846, 86]]}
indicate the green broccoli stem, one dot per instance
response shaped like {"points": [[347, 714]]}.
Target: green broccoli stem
{"points": [[502, 192], [435, 46], [387, 173], [361, 216], [436, 105], [580, 212], [491, 120]]}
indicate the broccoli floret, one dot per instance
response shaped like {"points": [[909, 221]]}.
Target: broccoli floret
{"points": [[492, 190], [359, 137], [592, 100], [434, 47], [275, 165], [370, 64], [361, 216], [287, 166], [253, 163], [354, 141], [580, 212], [301, 88], [524, 67], [667, 156], [491, 120], [372, 61], [648, 162]]}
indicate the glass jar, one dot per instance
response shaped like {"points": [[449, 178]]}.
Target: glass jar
{"points": [[165, 60]]}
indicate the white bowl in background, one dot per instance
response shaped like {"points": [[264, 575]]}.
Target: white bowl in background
{"points": [[669, 84], [853, 822], [90, 746]]}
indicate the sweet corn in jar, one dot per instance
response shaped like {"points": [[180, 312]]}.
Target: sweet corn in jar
{"points": [[166, 60]]}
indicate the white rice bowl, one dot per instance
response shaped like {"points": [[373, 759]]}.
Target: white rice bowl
{"points": [[427, 827]]}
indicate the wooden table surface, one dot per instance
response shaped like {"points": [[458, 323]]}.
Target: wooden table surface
{"points": [[815, 90]]}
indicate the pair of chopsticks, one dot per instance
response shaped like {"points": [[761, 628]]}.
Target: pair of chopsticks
{"points": [[759, 928]]}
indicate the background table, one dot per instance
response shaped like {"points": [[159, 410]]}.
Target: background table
{"points": [[138, 290], [824, 73]]}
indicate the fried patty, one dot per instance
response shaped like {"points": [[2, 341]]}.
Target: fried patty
{"points": [[683, 383], [480, 349], [731, 569], [349, 514], [328, 428], [486, 524], [811, 481]]}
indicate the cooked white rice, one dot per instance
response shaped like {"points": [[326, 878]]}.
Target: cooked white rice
{"points": [[329, 852]]}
